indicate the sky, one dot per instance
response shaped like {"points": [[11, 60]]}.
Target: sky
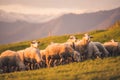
{"points": [[55, 7]]}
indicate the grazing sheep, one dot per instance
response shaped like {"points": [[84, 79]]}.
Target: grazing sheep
{"points": [[93, 51], [32, 55], [113, 47], [10, 61], [102, 49], [58, 52]]}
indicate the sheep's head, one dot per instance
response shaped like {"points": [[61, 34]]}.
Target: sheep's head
{"points": [[34, 44], [112, 40], [98, 55], [72, 39], [77, 56], [87, 38]]}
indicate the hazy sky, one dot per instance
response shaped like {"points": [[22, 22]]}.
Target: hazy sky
{"points": [[51, 7]]}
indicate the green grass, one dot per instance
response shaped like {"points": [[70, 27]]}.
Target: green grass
{"points": [[106, 69], [98, 69]]}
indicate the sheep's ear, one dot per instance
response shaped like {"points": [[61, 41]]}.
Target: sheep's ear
{"points": [[38, 42], [91, 37]]}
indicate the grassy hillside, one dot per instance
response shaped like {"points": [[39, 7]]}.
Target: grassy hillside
{"points": [[106, 69]]}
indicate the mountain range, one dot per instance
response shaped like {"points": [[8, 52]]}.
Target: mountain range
{"points": [[20, 27]]}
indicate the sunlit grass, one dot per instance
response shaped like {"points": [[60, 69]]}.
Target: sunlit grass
{"points": [[97, 69]]}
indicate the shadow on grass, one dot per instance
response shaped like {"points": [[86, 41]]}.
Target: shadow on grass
{"points": [[115, 78], [92, 72]]}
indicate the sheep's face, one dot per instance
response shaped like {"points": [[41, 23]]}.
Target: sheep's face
{"points": [[72, 39], [34, 44], [87, 37], [77, 56], [98, 54]]}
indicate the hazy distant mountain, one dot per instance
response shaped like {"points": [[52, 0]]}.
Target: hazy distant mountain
{"points": [[71, 23], [15, 28], [32, 18]]}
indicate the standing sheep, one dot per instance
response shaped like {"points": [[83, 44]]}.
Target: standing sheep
{"points": [[32, 55], [58, 52], [94, 49], [71, 41], [113, 47], [81, 46], [10, 61]]}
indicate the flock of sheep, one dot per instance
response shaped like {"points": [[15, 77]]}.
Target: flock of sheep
{"points": [[73, 50]]}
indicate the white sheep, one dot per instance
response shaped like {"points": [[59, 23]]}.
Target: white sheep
{"points": [[32, 55], [10, 61], [113, 47], [81, 46], [60, 52]]}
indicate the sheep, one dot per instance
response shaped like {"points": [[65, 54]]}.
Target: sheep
{"points": [[113, 47], [56, 52], [102, 49], [76, 54], [10, 61], [71, 41], [21, 54], [32, 55], [81, 46], [92, 51]]}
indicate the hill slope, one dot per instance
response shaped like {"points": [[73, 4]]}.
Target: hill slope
{"points": [[21, 30]]}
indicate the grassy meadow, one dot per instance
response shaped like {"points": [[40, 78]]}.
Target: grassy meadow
{"points": [[98, 69]]}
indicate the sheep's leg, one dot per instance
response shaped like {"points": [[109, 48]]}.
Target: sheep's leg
{"points": [[5, 69], [55, 62], [50, 62], [47, 61], [61, 60], [38, 65], [12, 69], [33, 66], [29, 66]]}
